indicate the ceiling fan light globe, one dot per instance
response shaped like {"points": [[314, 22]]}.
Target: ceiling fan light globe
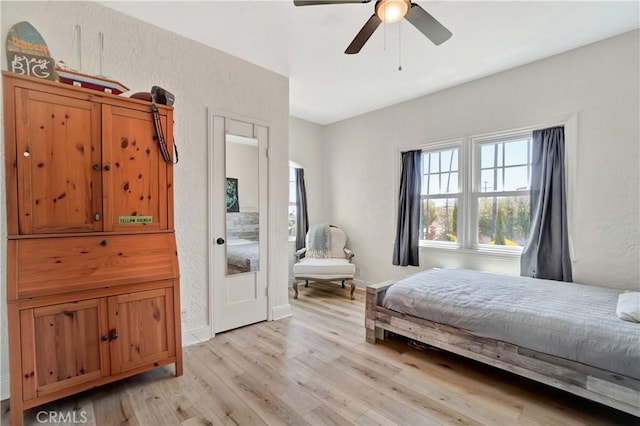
{"points": [[390, 11]]}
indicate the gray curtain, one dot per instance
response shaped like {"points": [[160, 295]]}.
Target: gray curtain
{"points": [[302, 221], [405, 249], [546, 254]]}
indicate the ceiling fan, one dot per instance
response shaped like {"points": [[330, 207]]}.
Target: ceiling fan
{"points": [[390, 11]]}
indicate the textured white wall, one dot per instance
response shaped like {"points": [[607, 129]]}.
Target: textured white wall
{"points": [[599, 82], [306, 147], [141, 55]]}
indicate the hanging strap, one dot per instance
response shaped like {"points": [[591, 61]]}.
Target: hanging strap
{"points": [[162, 142]]}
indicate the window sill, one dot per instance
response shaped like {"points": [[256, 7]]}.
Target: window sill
{"points": [[477, 251]]}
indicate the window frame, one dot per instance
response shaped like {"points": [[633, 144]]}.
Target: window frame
{"points": [[462, 176], [474, 193]]}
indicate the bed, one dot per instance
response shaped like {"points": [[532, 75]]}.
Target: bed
{"points": [[565, 335], [242, 256]]}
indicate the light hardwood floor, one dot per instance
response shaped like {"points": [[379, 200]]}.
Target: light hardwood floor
{"points": [[315, 368]]}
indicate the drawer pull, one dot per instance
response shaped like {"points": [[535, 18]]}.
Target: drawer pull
{"points": [[104, 242], [26, 154]]}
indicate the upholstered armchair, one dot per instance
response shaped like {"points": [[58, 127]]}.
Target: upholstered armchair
{"points": [[325, 258]]}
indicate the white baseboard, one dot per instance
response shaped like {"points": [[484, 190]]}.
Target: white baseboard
{"points": [[279, 312], [198, 335], [362, 283], [4, 388]]}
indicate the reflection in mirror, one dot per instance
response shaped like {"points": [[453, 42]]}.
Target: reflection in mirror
{"points": [[243, 220]]}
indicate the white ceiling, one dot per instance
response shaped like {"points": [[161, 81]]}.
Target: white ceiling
{"points": [[307, 43]]}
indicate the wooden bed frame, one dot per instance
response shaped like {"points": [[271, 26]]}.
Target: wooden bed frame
{"points": [[615, 390]]}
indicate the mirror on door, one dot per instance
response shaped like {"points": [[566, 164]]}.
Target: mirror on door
{"points": [[243, 236]]}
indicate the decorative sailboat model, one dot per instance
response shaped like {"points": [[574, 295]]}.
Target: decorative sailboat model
{"points": [[68, 75]]}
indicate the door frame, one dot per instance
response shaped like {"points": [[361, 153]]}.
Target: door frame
{"points": [[212, 132]]}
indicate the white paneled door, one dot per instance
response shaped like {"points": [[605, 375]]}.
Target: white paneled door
{"points": [[238, 209]]}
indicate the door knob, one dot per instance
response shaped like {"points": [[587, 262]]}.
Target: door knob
{"points": [[220, 241]]}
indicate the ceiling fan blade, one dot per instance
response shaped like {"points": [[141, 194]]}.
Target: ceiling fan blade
{"points": [[314, 2], [427, 25], [364, 34]]}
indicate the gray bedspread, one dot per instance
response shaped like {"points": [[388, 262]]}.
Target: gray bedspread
{"points": [[568, 320], [244, 255]]}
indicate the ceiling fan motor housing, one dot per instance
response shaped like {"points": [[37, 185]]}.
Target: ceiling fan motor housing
{"points": [[390, 11]]}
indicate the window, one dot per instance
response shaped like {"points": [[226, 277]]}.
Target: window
{"points": [[292, 200], [475, 192], [501, 195], [440, 195]]}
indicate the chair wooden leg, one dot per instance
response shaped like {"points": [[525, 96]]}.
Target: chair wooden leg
{"points": [[353, 288], [342, 283], [306, 283], [295, 288]]}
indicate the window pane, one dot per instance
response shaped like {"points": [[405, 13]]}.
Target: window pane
{"points": [[515, 178], [445, 159], [292, 220], [486, 156], [440, 220], [487, 181], [434, 165], [434, 184], [503, 221], [437, 178], [292, 192], [449, 183], [454, 167], [516, 152], [491, 155]]}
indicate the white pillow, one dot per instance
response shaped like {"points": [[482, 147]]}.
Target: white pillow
{"points": [[629, 306]]}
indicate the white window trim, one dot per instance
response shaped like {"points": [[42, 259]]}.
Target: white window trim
{"points": [[463, 246]]}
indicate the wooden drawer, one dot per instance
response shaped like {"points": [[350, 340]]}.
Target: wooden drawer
{"points": [[47, 266]]}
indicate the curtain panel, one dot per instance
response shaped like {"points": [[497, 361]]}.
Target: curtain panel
{"points": [[302, 220], [405, 249], [546, 253]]}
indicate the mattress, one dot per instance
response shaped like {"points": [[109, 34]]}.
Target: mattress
{"points": [[567, 320]]}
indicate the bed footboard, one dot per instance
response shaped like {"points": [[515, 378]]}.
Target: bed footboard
{"points": [[373, 299], [615, 390]]}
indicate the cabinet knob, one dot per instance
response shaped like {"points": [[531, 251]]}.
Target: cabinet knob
{"points": [[113, 334], [26, 154], [107, 167], [96, 217], [104, 338], [104, 242], [96, 167]]}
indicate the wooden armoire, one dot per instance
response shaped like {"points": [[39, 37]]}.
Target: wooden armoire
{"points": [[92, 274]]}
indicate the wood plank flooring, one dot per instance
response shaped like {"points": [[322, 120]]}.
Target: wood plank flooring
{"points": [[316, 369]]}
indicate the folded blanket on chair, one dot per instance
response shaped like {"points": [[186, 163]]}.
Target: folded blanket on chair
{"points": [[319, 241]]}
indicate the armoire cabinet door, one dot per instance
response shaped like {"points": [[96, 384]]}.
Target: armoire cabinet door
{"points": [[58, 160], [63, 345], [143, 324], [135, 178]]}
